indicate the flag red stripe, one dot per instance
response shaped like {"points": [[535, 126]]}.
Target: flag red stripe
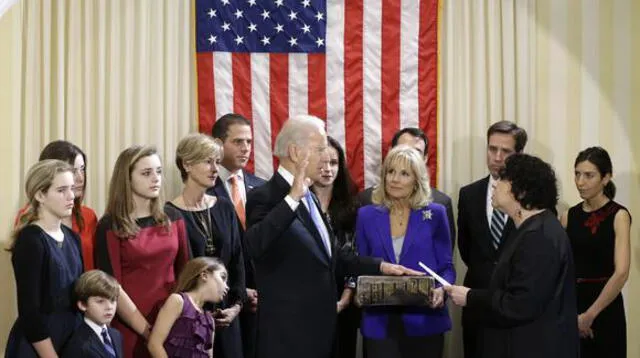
{"points": [[353, 89], [241, 69], [428, 80], [278, 94], [206, 101], [317, 85], [390, 72]]}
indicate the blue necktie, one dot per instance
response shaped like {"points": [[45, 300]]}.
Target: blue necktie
{"points": [[107, 343], [318, 222]]}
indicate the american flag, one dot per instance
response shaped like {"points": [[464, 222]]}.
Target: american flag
{"points": [[367, 67]]}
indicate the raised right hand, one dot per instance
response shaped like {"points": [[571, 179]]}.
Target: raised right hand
{"points": [[300, 183]]}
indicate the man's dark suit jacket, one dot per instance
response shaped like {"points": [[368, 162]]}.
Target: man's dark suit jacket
{"points": [[86, 344], [247, 318], [250, 182], [438, 197], [531, 300], [295, 275]]}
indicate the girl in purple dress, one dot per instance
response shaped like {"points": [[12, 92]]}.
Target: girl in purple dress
{"points": [[183, 328]]}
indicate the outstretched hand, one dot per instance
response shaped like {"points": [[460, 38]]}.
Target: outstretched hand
{"points": [[390, 269]]}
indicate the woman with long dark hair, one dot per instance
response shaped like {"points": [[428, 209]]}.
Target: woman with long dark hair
{"points": [[336, 192], [599, 230]]}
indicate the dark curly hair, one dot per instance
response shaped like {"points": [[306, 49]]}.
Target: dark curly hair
{"points": [[599, 157], [533, 181]]}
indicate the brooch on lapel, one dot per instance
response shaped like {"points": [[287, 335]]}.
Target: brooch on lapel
{"points": [[426, 214]]}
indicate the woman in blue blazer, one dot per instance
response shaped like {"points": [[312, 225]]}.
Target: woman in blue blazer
{"points": [[403, 226]]}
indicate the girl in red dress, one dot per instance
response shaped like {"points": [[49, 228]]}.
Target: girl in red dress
{"points": [[138, 241]]}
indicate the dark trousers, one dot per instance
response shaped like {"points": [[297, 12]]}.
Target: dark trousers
{"points": [[347, 333], [471, 334], [249, 328], [399, 345]]}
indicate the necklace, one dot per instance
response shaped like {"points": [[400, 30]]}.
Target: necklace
{"points": [[204, 225]]}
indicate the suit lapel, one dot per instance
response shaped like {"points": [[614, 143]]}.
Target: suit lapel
{"points": [[249, 183], [116, 342], [410, 235], [384, 232], [305, 216], [220, 190], [95, 344], [313, 240], [481, 199]]}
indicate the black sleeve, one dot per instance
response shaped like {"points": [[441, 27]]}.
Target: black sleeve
{"points": [[452, 223], [29, 259], [529, 288], [355, 265], [463, 229], [101, 250], [237, 291], [266, 222]]}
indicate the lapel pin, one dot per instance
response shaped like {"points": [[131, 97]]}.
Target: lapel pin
{"points": [[426, 214]]}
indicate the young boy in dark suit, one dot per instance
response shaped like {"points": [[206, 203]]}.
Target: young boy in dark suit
{"points": [[96, 295]]}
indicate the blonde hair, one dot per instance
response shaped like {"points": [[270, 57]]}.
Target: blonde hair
{"points": [[120, 205], [403, 154], [96, 283], [189, 278], [195, 148], [38, 180]]}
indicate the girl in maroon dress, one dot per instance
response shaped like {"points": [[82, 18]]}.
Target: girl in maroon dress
{"points": [[139, 243], [184, 329]]}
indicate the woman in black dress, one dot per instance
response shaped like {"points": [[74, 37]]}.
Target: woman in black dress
{"points": [[336, 192], [213, 231], [599, 230], [46, 261]]}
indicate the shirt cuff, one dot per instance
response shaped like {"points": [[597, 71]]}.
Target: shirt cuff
{"points": [[293, 203]]}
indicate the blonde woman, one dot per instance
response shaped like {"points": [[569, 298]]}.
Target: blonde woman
{"points": [[46, 261], [139, 243], [405, 227], [213, 231]]}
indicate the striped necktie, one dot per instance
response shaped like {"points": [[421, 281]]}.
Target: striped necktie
{"points": [[107, 343], [497, 227]]}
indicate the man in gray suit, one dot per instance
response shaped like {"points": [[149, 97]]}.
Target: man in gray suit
{"points": [[415, 137]]}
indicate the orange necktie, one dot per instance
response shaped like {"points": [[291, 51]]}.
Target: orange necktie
{"points": [[236, 198]]}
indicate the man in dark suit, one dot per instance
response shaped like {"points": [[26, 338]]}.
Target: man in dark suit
{"points": [[97, 294], [293, 250], [415, 137], [481, 229], [234, 183]]}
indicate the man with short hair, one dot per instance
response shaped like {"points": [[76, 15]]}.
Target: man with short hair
{"points": [[415, 137], [483, 230], [234, 183], [292, 246]]}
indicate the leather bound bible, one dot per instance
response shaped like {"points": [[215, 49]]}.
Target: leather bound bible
{"points": [[393, 291]]}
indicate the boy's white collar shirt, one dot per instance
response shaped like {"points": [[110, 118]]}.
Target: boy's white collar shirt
{"points": [[96, 328]]}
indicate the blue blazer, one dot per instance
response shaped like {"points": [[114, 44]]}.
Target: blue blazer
{"points": [[427, 239]]}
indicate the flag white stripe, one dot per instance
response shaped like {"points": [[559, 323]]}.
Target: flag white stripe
{"points": [[409, 40], [261, 109], [298, 84], [223, 83], [335, 71], [372, 54], [590, 73]]}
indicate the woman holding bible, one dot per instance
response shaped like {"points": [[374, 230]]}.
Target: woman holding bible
{"points": [[405, 227]]}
